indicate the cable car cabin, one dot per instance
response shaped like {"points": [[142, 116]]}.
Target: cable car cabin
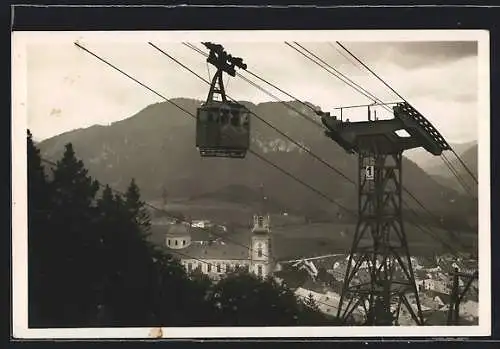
{"points": [[222, 130]]}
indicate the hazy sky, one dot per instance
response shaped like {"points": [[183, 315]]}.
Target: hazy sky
{"points": [[68, 88]]}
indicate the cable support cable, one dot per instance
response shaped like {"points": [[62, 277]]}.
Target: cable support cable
{"points": [[370, 95], [373, 97], [215, 266], [461, 181], [402, 98], [193, 47], [397, 94], [250, 150], [436, 219], [260, 88], [145, 86], [342, 77], [309, 152], [115, 191], [346, 57], [464, 165], [192, 115], [333, 168]]}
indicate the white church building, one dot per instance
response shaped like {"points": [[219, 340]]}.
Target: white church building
{"points": [[219, 256]]}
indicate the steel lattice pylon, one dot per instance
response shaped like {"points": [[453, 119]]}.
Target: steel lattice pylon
{"points": [[379, 275]]}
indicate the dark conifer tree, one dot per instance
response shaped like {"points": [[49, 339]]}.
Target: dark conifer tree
{"points": [[135, 287], [310, 302], [137, 209], [144, 286], [91, 263], [75, 267], [109, 255], [39, 242], [37, 178], [171, 298]]}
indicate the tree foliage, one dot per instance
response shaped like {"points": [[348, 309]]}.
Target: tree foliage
{"points": [[91, 263], [38, 245], [245, 300]]}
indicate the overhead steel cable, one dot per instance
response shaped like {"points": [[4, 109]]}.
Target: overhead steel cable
{"points": [[365, 92], [167, 214], [163, 211], [103, 186], [343, 175], [226, 238], [346, 57], [397, 94], [373, 97], [464, 165], [333, 168], [402, 98], [189, 113], [321, 63], [309, 152], [192, 115], [115, 191], [133, 79], [371, 71], [193, 47], [385, 105], [260, 88], [370, 96], [352, 83], [452, 250], [458, 177]]}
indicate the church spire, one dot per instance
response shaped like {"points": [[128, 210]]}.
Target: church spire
{"points": [[261, 219], [263, 202], [262, 250]]}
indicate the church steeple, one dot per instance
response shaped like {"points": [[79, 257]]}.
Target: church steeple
{"points": [[261, 254], [261, 221], [261, 224]]}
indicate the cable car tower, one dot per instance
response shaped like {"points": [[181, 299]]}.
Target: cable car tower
{"points": [[379, 278], [222, 126]]}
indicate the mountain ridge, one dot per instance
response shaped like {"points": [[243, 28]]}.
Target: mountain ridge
{"points": [[156, 146], [432, 164], [443, 174]]}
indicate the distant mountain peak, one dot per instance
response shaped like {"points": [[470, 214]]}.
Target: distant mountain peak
{"points": [[156, 146]]}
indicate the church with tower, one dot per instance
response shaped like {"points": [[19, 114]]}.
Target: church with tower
{"points": [[251, 251]]}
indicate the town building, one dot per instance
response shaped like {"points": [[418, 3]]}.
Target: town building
{"points": [[216, 257]]}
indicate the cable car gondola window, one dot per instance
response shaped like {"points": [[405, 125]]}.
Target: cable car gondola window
{"points": [[215, 117], [235, 119], [204, 116], [224, 117], [244, 119]]}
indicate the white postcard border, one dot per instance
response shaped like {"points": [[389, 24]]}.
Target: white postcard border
{"points": [[19, 182]]}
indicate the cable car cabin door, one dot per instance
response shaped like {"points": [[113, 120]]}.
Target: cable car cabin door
{"points": [[222, 131]]}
